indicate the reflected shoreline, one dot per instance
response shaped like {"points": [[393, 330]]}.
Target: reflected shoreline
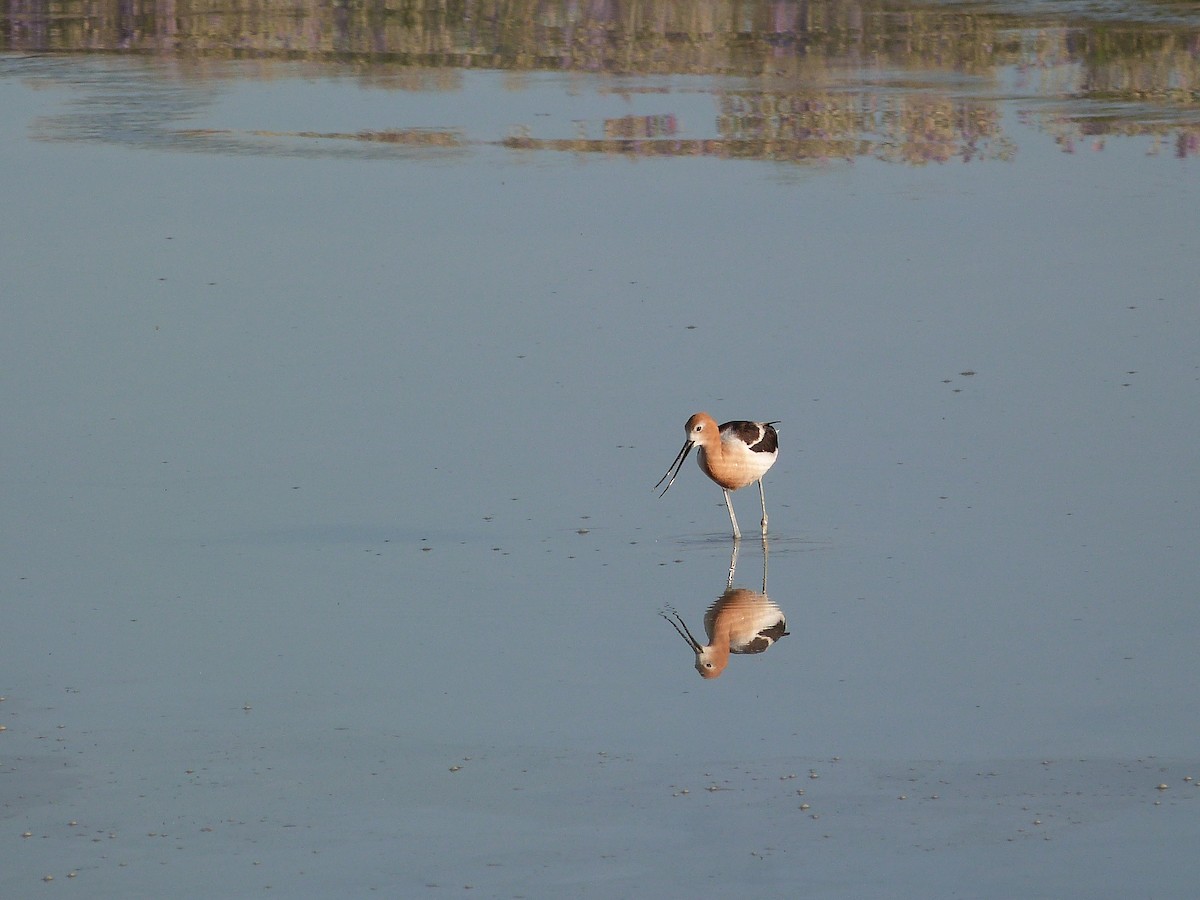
{"points": [[913, 83]]}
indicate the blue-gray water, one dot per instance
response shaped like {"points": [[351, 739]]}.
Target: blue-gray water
{"points": [[332, 566]]}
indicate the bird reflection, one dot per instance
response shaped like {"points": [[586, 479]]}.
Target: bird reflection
{"points": [[739, 621]]}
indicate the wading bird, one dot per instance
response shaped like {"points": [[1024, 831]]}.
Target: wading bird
{"points": [[733, 455]]}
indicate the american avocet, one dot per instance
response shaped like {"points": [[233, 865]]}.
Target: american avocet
{"points": [[733, 455]]}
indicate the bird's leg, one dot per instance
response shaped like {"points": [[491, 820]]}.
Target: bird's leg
{"points": [[763, 498], [737, 535]]}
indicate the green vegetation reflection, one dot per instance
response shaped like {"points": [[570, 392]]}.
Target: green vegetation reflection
{"points": [[910, 82]]}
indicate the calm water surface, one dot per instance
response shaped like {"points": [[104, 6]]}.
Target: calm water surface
{"points": [[343, 346]]}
